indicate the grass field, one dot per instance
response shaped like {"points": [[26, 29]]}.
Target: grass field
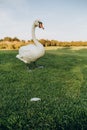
{"points": [[61, 85]]}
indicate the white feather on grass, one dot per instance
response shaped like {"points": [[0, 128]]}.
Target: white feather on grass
{"points": [[35, 99]]}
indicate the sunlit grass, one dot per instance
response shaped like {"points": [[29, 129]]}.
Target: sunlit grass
{"points": [[61, 85]]}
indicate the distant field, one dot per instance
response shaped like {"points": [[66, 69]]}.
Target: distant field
{"points": [[61, 85], [71, 48]]}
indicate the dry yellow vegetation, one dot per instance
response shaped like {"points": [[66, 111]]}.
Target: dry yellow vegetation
{"points": [[9, 43]]}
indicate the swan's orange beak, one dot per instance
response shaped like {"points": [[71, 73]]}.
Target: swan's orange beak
{"points": [[41, 25]]}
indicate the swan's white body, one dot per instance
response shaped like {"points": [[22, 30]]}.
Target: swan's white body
{"points": [[31, 52]]}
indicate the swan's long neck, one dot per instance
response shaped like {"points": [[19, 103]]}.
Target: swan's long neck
{"points": [[34, 37]]}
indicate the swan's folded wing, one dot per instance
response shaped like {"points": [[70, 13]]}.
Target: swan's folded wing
{"points": [[29, 53]]}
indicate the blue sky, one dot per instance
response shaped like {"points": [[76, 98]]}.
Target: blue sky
{"points": [[64, 20]]}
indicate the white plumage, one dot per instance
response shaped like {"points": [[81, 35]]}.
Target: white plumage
{"points": [[35, 99], [32, 52]]}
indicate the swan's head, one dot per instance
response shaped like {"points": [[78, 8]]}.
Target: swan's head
{"points": [[39, 24]]}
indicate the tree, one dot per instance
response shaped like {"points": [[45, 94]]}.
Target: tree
{"points": [[7, 39], [16, 39]]}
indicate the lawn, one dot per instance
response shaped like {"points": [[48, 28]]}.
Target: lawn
{"points": [[61, 85]]}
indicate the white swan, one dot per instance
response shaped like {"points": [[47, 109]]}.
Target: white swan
{"points": [[32, 52]]}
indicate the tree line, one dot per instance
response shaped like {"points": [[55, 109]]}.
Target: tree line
{"points": [[15, 43]]}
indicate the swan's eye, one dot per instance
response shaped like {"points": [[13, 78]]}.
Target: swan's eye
{"points": [[40, 22], [41, 25]]}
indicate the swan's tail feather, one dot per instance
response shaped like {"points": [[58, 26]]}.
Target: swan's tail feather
{"points": [[21, 58], [17, 56]]}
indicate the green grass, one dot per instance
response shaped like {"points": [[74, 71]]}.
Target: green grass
{"points": [[61, 85]]}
